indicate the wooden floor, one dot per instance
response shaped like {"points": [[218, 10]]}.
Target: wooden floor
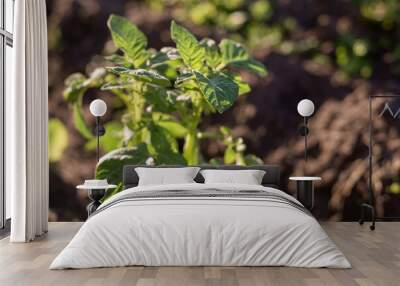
{"points": [[375, 257]]}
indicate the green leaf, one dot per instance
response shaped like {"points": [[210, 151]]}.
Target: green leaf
{"points": [[112, 192], [189, 84], [176, 129], [158, 98], [129, 39], [75, 79], [163, 147], [225, 131], [165, 55], [216, 162], [142, 75], [58, 139], [110, 165], [192, 53], [213, 56], [159, 116], [232, 51], [111, 140], [77, 84], [252, 160], [158, 59], [119, 70], [252, 66], [186, 81], [218, 89], [79, 121], [183, 78], [150, 77], [119, 60], [74, 87], [244, 87], [229, 155], [117, 84], [171, 53], [96, 78], [113, 137], [236, 55]]}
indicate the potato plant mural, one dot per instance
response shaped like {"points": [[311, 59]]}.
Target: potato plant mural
{"points": [[166, 94], [335, 53]]}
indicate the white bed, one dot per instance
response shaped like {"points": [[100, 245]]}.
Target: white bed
{"points": [[185, 230]]}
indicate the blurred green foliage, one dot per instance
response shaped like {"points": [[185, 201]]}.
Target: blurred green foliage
{"points": [[383, 18], [249, 22], [166, 94], [394, 186], [58, 139], [262, 24]]}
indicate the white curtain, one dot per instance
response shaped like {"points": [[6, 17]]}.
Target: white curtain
{"points": [[26, 124]]}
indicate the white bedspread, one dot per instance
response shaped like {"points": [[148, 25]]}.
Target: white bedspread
{"points": [[200, 231]]}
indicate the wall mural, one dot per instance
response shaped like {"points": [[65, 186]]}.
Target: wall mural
{"points": [[257, 60]]}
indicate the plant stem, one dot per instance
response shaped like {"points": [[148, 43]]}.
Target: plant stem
{"points": [[191, 146]]}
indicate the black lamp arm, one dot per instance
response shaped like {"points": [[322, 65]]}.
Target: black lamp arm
{"points": [[304, 130], [99, 131], [305, 138]]}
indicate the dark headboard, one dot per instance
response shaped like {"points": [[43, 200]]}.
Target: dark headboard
{"points": [[271, 177]]}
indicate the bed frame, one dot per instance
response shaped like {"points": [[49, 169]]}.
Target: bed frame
{"points": [[271, 177]]}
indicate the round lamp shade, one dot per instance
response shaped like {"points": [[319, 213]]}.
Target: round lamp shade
{"points": [[305, 107], [98, 107]]}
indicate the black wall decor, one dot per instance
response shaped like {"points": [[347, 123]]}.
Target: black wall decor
{"points": [[394, 113]]}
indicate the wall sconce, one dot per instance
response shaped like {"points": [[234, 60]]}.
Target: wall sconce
{"points": [[98, 108], [305, 108]]}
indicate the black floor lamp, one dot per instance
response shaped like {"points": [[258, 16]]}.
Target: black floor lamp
{"points": [[98, 108]]}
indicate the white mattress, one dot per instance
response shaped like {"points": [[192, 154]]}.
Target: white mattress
{"points": [[200, 231]]}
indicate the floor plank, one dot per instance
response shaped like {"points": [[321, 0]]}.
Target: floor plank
{"points": [[375, 257]]}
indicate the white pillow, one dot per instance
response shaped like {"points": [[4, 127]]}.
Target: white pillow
{"points": [[248, 177], [163, 176]]}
